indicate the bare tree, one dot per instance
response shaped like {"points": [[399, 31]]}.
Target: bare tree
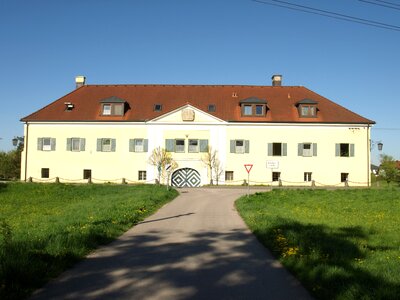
{"points": [[164, 163], [210, 159]]}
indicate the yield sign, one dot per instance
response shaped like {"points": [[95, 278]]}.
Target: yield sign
{"points": [[248, 167]]}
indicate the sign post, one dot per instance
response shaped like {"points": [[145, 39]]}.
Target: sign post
{"points": [[248, 169]]}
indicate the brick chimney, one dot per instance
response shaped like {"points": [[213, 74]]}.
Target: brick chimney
{"points": [[276, 80], [80, 81]]}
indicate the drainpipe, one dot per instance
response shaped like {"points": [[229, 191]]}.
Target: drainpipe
{"points": [[368, 156], [26, 149]]}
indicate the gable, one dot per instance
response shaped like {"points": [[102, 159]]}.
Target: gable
{"points": [[187, 114]]}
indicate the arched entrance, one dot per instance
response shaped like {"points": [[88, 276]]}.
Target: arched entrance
{"points": [[185, 177]]}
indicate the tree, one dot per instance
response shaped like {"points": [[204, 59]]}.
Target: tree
{"points": [[10, 164], [214, 165], [387, 169], [164, 163]]}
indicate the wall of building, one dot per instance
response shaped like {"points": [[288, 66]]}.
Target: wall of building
{"points": [[113, 166]]}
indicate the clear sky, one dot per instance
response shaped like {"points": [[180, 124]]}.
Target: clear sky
{"points": [[44, 44]]}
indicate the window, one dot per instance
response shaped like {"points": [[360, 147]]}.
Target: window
{"points": [[193, 146], [228, 175], [276, 176], [87, 174], [45, 173], [113, 109], [240, 146], [157, 107], [344, 150], [344, 177], [211, 107], [180, 146], [106, 145], [46, 144], [307, 149], [142, 175], [247, 110], [138, 145], [307, 176], [277, 149], [259, 110], [308, 111], [75, 144]]}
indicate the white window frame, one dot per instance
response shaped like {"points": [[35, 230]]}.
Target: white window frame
{"points": [[139, 145], [307, 176], [179, 148], [76, 142], [142, 175], [240, 148], [106, 111], [246, 111], [307, 152], [46, 144], [193, 148], [106, 147]]}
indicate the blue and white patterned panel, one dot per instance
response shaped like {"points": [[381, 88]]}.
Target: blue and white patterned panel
{"points": [[186, 178]]}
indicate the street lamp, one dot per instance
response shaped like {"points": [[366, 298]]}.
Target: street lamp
{"points": [[378, 143], [17, 140]]}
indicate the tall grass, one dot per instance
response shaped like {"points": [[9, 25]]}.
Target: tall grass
{"points": [[46, 228], [342, 244]]}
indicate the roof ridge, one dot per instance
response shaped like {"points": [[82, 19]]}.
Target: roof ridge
{"points": [[191, 85]]}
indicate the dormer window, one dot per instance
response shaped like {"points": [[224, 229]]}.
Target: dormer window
{"points": [[113, 106], [253, 107], [307, 108]]}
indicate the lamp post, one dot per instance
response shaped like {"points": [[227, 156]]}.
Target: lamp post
{"points": [[17, 141]]}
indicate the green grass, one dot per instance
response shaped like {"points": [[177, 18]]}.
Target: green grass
{"points": [[46, 228], [341, 244]]}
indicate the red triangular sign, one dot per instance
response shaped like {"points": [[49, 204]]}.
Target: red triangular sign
{"points": [[248, 167]]}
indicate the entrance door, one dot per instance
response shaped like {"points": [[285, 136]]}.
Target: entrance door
{"points": [[186, 177]]}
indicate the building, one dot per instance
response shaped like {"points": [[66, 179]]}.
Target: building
{"points": [[289, 134]]}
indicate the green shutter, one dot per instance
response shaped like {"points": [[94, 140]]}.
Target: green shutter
{"points": [[203, 145], [337, 149], [98, 147], [145, 145], [300, 149], [314, 151], [269, 149], [131, 145], [40, 144], [69, 142], [169, 145], [53, 144], [284, 149], [83, 144], [352, 150], [232, 146], [113, 145], [246, 146]]}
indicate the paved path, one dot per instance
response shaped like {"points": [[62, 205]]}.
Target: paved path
{"points": [[196, 247]]}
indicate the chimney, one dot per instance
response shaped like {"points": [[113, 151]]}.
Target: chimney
{"points": [[276, 80], [80, 81]]}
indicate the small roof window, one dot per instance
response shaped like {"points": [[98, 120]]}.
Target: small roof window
{"points": [[211, 107], [113, 106], [157, 107]]}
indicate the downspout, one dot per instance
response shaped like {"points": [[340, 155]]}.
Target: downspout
{"points": [[26, 149], [368, 156]]}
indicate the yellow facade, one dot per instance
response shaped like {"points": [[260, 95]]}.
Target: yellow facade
{"points": [[113, 166]]}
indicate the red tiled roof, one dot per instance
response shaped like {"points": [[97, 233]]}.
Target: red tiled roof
{"points": [[141, 99]]}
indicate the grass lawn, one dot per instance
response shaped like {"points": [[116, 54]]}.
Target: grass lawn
{"points": [[341, 244], [46, 228]]}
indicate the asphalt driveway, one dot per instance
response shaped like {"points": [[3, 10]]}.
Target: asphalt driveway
{"points": [[195, 247]]}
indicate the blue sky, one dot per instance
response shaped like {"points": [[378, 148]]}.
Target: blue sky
{"points": [[44, 44]]}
